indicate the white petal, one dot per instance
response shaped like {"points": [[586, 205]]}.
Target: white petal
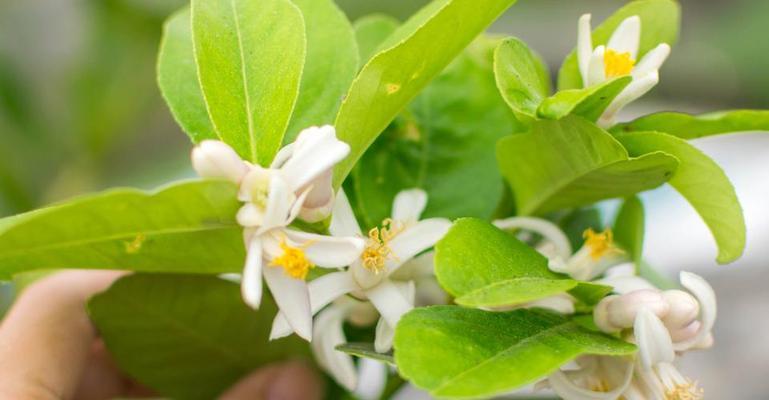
{"points": [[283, 155], [279, 204], [704, 293], [298, 205], [626, 284], [373, 378], [316, 151], [327, 251], [408, 205], [327, 335], [231, 277], [596, 70], [627, 37], [320, 199], [653, 339], [383, 341], [550, 231], [584, 46], [565, 388], [215, 159], [389, 301], [292, 298], [323, 291], [652, 61], [414, 240], [251, 283], [562, 303], [637, 88], [250, 215], [421, 266], [343, 222]]}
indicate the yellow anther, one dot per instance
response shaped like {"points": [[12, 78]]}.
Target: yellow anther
{"points": [[685, 391], [600, 244], [293, 260], [617, 64], [378, 249]]}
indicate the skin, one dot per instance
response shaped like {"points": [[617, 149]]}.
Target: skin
{"points": [[50, 350]]}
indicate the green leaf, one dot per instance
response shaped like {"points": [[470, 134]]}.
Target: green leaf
{"points": [[187, 337], [441, 145], [521, 76], [482, 266], [186, 227], [455, 352], [704, 185], [250, 56], [178, 78], [688, 126], [588, 103], [410, 60], [366, 350], [660, 20], [370, 32], [629, 228], [571, 162], [576, 222], [330, 67]]}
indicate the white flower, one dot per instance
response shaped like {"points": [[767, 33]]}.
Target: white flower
{"points": [[388, 247], [618, 58], [590, 261], [297, 184]]}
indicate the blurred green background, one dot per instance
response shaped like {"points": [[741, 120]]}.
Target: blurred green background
{"points": [[80, 111]]}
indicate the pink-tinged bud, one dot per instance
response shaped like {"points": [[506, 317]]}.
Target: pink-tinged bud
{"points": [[621, 312], [684, 309], [684, 333], [601, 315], [215, 159]]}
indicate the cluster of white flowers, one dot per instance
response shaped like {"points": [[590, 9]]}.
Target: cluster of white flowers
{"points": [[662, 323], [381, 269]]}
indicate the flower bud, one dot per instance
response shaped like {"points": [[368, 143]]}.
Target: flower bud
{"points": [[615, 313], [215, 159], [684, 309]]}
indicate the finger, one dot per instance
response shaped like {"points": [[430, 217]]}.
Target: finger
{"points": [[293, 380], [102, 379], [46, 338]]}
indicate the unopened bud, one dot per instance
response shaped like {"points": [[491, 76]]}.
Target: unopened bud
{"points": [[215, 159], [619, 312], [684, 309]]}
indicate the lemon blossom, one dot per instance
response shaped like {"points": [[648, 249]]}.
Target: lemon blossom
{"points": [[619, 57], [387, 249], [663, 324], [296, 185]]}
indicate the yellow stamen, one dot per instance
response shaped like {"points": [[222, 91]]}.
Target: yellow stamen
{"points": [[600, 386], [293, 261], [600, 244], [685, 391], [617, 64], [378, 249]]}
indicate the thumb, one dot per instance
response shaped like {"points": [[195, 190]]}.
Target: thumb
{"points": [[293, 380]]}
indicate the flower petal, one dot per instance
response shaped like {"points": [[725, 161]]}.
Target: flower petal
{"points": [[565, 388], [373, 378], [327, 251], [421, 266], [627, 37], [283, 155], [626, 284], [637, 88], [320, 199], [249, 215], [251, 283], [596, 70], [550, 231], [279, 203], [327, 335], [704, 293], [389, 301], [293, 300], [653, 339], [408, 205], [652, 61], [383, 341], [584, 46], [215, 159], [323, 291], [414, 240], [343, 222], [316, 151]]}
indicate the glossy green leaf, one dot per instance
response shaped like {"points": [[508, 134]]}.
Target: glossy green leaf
{"points": [[178, 78], [629, 228], [441, 145], [366, 350], [482, 266], [704, 185], [455, 352], [687, 126], [588, 103], [660, 20], [411, 59], [330, 66], [187, 337], [521, 76], [188, 227], [571, 162], [370, 32], [250, 56]]}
